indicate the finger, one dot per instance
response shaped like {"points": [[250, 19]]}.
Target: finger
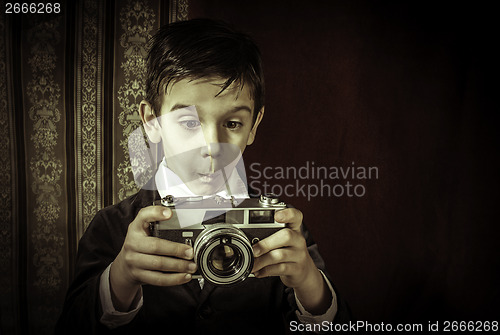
{"points": [[281, 239], [157, 278], [157, 246], [147, 215], [282, 255], [281, 269], [161, 263], [292, 216]]}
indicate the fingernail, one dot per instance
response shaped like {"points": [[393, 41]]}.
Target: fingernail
{"points": [[167, 213], [279, 216], [192, 267], [256, 274], [256, 251], [188, 276], [189, 253]]}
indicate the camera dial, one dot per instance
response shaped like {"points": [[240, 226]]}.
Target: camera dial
{"points": [[269, 199]]}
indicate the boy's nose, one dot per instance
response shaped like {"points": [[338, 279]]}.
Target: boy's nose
{"points": [[212, 145], [212, 149]]}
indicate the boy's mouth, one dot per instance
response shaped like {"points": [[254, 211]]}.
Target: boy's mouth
{"points": [[208, 177]]}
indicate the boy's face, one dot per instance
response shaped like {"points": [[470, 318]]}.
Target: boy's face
{"points": [[202, 132]]}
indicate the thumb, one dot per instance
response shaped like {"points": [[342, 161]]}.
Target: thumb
{"points": [[147, 215], [291, 216]]}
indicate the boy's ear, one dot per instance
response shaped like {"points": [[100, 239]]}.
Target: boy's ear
{"points": [[253, 132], [150, 122]]}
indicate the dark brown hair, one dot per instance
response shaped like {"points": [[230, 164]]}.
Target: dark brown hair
{"points": [[202, 48]]}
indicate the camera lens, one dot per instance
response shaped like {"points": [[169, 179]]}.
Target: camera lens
{"points": [[223, 254], [223, 258]]}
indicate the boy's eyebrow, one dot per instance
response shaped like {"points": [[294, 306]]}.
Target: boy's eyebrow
{"points": [[238, 108], [179, 106], [232, 110]]}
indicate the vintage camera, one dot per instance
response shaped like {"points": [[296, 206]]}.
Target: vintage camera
{"points": [[221, 232]]}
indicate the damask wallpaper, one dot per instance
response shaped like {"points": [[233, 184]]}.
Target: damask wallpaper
{"points": [[70, 85], [45, 122], [134, 27]]}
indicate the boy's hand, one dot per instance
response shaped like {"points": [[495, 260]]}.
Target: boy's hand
{"points": [[285, 254], [144, 259]]}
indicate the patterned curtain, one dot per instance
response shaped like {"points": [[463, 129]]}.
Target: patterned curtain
{"points": [[70, 86]]}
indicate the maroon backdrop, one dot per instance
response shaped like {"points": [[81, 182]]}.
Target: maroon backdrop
{"points": [[406, 88]]}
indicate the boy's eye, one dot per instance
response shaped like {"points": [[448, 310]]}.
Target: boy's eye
{"points": [[233, 124], [191, 124]]}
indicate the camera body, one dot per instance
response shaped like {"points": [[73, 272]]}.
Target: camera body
{"points": [[221, 231]]}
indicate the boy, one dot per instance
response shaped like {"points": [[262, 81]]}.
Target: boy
{"points": [[204, 102]]}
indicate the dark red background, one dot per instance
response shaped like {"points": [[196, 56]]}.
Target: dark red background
{"points": [[408, 88]]}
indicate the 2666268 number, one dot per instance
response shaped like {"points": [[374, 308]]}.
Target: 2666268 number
{"points": [[32, 8], [472, 326]]}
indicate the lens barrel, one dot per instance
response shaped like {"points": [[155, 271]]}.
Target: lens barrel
{"points": [[223, 254]]}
